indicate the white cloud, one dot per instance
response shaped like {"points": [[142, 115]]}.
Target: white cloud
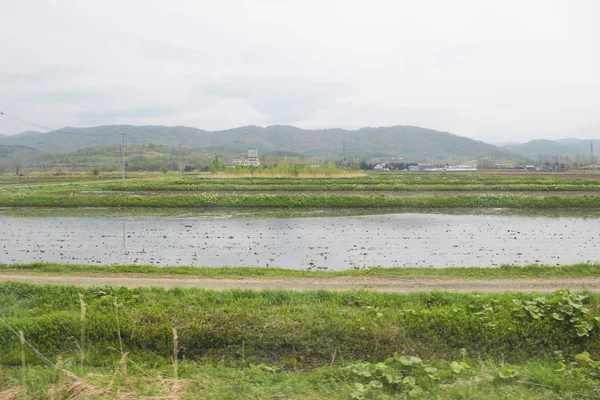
{"points": [[483, 69]]}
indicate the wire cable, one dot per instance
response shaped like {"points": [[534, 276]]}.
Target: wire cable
{"points": [[36, 351], [54, 130]]}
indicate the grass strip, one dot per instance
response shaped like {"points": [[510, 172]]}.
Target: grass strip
{"points": [[210, 200], [583, 270], [483, 380]]}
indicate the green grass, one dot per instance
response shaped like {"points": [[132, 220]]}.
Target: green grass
{"points": [[290, 329], [347, 187], [403, 182], [315, 345], [146, 190], [210, 200], [534, 381], [369, 180], [583, 270]]}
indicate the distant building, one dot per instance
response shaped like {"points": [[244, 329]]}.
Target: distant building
{"points": [[252, 159], [424, 165], [530, 167], [413, 168], [379, 168], [504, 166]]}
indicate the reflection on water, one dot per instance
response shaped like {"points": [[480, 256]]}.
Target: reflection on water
{"points": [[339, 242]]}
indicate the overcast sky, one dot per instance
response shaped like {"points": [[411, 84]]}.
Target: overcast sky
{"points": [[491, 70]]}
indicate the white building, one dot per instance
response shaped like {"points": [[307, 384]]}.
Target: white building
{"points": [[380, 168], [252, 159]]}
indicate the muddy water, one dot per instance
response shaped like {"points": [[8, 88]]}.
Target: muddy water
{"points": [[434, 240]]}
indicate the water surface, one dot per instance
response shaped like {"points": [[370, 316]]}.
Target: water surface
{"points": [[326, 242]]}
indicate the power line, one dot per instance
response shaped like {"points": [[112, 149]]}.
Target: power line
{"points": [[36, 351], [54, 130]]}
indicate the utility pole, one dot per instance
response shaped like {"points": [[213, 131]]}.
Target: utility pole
{"points": [[123, 156], [180, 164]]}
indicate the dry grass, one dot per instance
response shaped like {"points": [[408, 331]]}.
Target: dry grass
{"points": [[15, 393], [306, 175], [71, 387]]}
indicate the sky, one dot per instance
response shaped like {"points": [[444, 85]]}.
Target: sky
{"points": [[497, 71]]}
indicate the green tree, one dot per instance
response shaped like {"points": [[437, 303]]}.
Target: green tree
{"points": [[216, 165], [164, 169], [237, 168]]}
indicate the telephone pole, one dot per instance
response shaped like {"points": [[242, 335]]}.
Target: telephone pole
{"points": [[123, 156], [180, 164]]}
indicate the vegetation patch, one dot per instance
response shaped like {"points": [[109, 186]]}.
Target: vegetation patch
{"points": [[25, 198], [244, 344], [583, 270], [297, 329], [368, 192]]}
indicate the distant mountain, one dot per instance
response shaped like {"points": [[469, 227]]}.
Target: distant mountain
{"points": [[410, 142], [561, 147], [13, 151], [28, 133]]}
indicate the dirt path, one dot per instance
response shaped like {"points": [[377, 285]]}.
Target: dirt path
{"points": [[380, 285]]}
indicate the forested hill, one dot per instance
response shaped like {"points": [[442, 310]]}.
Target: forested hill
{"points": [[17, 151], [561, 147], [406, 141]]}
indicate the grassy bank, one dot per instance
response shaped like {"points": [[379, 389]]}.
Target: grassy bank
{"points": [[205, 191], [296, 330], [243, 344], [342, 187], [373, 182], [401, 184], [502, 272], [210, 200], [351, 177]]}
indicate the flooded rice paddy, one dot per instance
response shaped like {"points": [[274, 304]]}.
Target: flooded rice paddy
{"points": [[302, 242]]}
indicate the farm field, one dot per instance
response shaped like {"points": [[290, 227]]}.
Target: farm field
{"points": [[372, 191], [360, 287]]}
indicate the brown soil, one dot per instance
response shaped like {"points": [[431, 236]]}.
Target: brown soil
{"points": [[380, 285]]}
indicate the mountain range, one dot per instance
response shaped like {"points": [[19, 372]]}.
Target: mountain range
{"points": [[409, 142]]}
